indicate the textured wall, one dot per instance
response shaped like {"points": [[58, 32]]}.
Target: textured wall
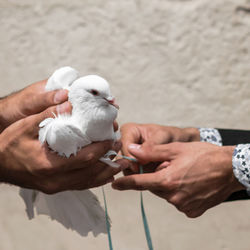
{"points": [[177, 62]]}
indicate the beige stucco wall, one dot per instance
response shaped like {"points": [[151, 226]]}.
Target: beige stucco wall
{"points": [[184, 63]]}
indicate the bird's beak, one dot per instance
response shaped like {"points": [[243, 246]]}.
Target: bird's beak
{"points": [[111, 101]]}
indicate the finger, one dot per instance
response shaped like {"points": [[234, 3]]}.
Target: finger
{"points": [[76, 179], [128, 171], [38, 102], [147, 152], [130, 134], [137, 182], [163, 165], [124, 164], [49, 112], [106, 174], [89, 155], [80, 179]]}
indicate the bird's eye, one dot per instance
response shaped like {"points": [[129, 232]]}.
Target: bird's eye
{"points": [[94, 92]]}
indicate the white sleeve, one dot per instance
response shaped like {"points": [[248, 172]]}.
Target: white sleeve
{"points": [[241, 165], [210, 135]]}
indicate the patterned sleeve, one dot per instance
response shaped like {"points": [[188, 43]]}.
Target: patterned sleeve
{"points": [[241, 165], [210, 135]]}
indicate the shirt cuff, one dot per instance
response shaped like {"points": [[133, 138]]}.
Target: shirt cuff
{"points": [[210, 135], [241, 165]]}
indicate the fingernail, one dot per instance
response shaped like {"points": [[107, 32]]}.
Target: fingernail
{"points": [[60, 96], [134, 146], [63, 108]]}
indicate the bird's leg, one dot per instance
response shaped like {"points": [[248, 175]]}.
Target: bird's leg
{"points": [[106, 159]]}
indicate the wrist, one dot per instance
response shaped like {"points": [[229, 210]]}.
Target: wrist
{"points": [[192, 134]]}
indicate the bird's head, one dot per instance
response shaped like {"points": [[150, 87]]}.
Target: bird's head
{"points": [[92, 92]]}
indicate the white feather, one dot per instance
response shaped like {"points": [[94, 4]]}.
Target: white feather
{"points": [[91, 120]]}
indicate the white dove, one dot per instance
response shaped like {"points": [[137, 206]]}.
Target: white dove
{"points": [[93, 114]]}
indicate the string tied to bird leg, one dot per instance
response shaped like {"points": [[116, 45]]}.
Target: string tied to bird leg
{"points": [[144, 217]]}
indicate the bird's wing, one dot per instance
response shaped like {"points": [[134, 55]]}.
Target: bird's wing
{"points": [[62, 135], [62, 78], [77, 210]]}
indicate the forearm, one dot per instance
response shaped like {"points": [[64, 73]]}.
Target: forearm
{"points": [[192, 134]]}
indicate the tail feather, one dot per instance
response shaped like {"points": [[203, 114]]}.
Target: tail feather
{"points": [[29, 197], [76, 210]]}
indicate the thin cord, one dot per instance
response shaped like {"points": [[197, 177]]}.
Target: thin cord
{"points": [[144, 218], [107, 220]]}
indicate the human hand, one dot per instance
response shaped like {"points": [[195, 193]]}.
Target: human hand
{"points": [[192, 176], [28, 101], [27, 163], [133, 133]]}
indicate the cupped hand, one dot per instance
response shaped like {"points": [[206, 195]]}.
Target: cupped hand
{"points": [[28, 101], [27, 163], [192, 176]]}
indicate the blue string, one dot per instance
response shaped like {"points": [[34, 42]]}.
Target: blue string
{"points": [[144, 218], [107, 220]]}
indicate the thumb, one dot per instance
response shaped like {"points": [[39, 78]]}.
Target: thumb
{"points": [[39, 102], [147, 152]]}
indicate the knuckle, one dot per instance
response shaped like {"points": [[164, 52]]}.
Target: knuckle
{"points": [[171, 182], [45, 169], [49, 111], [24, 125], [193, 214], [90, 158], [135, 183], [49, 97], [127, 125], [175, 200], [165, 182], [190, 214], [181, 208], [26, 107]]}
